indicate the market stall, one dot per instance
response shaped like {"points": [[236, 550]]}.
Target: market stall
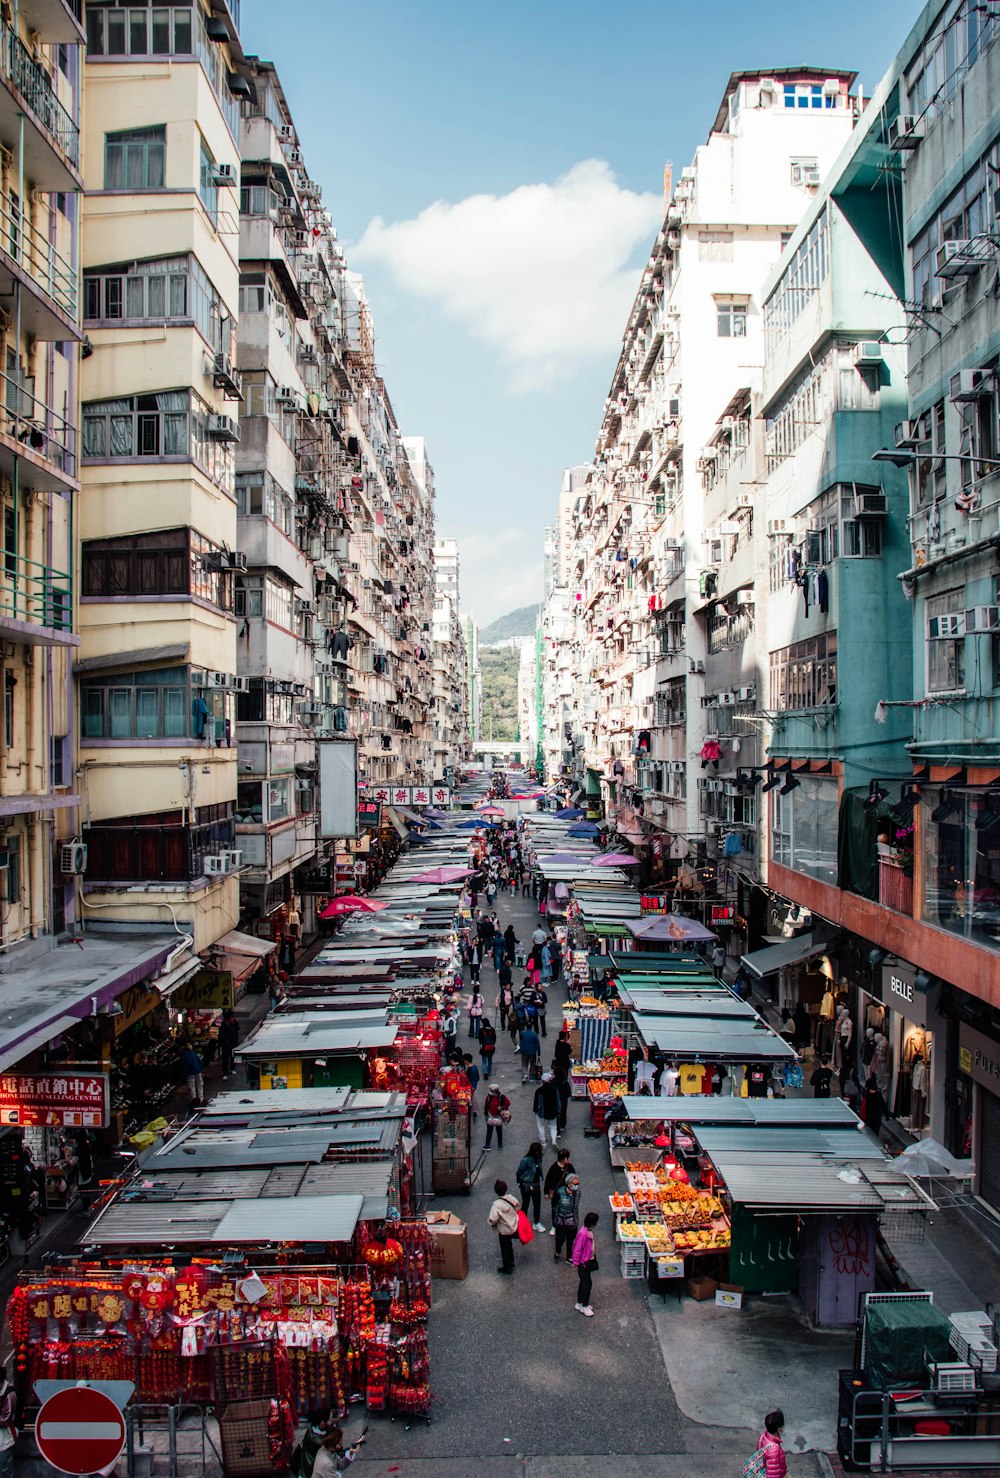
{"points": [[303, 1051]]}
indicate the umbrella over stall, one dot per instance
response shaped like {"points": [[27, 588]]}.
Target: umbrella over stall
{"points": [[583, 829], [351, 903], [442, 875], [570, 813], [671, 927], [615, 859]]}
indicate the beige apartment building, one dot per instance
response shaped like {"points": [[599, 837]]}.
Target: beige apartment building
{"points": [[157, 690]]}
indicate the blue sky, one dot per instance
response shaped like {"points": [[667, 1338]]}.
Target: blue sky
{"points": [[496, 172]]}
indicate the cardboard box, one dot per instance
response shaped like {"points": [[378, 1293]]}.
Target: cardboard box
{"points": [[701, 1288], [449, 1250], [246, 1446], [729, 1296]]}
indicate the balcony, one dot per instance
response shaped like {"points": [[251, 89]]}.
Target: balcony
{"points": [[50, 304], [895, 886], [36, 603], [51, 138], [55, 20], [35, 437]]}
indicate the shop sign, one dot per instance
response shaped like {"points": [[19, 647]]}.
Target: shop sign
{"points": [[360, 868], [410, 795], [70, 1100], [370, 813], [979, 1058], [137, 1002], [653, 903], [207, 990], [900, 994], [722, 913]]}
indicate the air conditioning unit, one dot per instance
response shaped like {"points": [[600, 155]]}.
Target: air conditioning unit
{"points": [[216, 866], [746, 695], [240, 684], [224, 174], [831, 88], [218, 679], [304, 608], [223, 428], [905, 131], [744, 597], [972, 384], [73, 858], [674, 240], [285, 396], [954, 259], [295, 156], [233, 856], [950, 625], [906, 434], [727, 699], [678, 766], [744, 499], [233, 560], [868, 352], [982, 618], [869, 503], [674, 408], [769, 86], [286, 132], [811, 175]]}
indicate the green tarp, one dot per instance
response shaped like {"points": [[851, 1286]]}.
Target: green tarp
{"points": [[899, 1340]]}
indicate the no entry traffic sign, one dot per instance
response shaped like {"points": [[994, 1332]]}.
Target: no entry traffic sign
{"points": [[80, 1431]]}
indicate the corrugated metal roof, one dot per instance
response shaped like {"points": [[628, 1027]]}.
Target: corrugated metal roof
{"points": [[122, 1223], [768, 961], [717, 1040], [805, 1182], [721, 1005], [283, 1036], [291, 1219], [370, 1180], [837, 1144], [250, 1101], [716, 1109]]}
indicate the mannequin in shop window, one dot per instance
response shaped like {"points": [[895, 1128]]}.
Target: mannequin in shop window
{"points": [[824, 1027]]}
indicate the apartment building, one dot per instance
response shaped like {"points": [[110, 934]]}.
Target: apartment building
{"points": [[528, 672], [642, 570], [158, 526], [40, 179], [475, 677], [451, 681]]}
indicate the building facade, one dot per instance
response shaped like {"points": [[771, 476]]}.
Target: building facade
{"points": [[451, 681]]}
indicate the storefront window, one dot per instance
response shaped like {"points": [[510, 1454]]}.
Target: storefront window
{"points": [[804, 828], [962, 865]]}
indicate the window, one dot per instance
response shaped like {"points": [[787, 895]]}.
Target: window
{"points": [[208, 190], [834, 532], [961, 873], [169, 423], [804, 828], [9, 683], [13, 845], [804, 171], [279, 798], [261, 595], [135, 159], [731, 318], [804, 408], [808, 267], [977, 426], [804, 675], [715, 246], [930, 472], [257, 494], [962, 32], [166, 289], [167, 562], [139, 705], [260, 396], [159, 847], [808, 95], [946, 642]]}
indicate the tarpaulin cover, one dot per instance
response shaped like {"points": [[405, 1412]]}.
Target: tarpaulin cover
{"points": [[900, 1339], [858, 828]]}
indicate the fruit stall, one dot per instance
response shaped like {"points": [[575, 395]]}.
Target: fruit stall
{"points": [[801, 1187], [316, 1049]]}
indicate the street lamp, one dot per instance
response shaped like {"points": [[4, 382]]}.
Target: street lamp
{"points": [[901, 456]]}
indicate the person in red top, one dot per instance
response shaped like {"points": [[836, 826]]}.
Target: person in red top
{"points": [[770, 1443]]}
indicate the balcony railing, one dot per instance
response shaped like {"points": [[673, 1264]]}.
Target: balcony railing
{"points": [[36, 425], [895, 886], [35, 255], [35, 593], [35, 87]]}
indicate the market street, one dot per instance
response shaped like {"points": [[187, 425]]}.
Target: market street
{"points": [[511, 1357]]}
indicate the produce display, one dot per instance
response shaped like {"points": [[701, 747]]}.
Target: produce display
{"points": [[621, 1203], [715, 1239], [669, 1217], [607, 1088]]}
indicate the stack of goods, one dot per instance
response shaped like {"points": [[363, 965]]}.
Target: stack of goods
{"points": [[670, 1220], [972, 1340], [609, 1067]]}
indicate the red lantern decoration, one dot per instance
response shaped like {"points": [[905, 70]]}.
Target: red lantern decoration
{"points": [[158, 1294], [134, 1286]]}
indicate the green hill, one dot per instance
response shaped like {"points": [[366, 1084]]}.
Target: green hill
{"points": [[499, 714], [517, 623]]}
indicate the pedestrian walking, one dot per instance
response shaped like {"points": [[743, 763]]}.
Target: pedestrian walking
{"points": [[474, 959], [503, 1218], [769, 1443], [821, 1079], [487, 1046], [510, 942], [540, 999], [310, 1445], [499, 951], [719, 957], [475, 1011], [519, 956], [584, 1259], [504, 1004], [545, 958], [562, 1052], [229, 1037], [557, 1172], [529, 1047], [561, 1076], [873, 1106], [496, 1111], [525, 883], [193, 1069], [472, 1073], [565, 1214], [449, 1030], [333, 1457], [529, 1180], [546, 1109]]}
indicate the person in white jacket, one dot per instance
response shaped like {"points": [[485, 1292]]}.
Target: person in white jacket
{"points": [[503, 1216]]}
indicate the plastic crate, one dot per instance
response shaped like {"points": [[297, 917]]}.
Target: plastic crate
{"points": [[634, 1269], [952, 1377]]}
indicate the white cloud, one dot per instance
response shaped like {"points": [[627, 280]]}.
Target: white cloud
{"points": [[499, 572], [539, 275]]}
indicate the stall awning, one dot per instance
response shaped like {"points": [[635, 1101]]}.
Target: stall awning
{"points": [[240, 953], [767, 961], [291, 1219], [402, 830]]}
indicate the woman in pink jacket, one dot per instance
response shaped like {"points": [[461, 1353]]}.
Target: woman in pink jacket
{"points": [[770, 1441], [585, 1261]]}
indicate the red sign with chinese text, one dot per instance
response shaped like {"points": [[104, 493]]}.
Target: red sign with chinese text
{"points": [[70, 1100]]}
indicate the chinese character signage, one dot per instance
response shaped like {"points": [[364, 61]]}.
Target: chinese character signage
{"points": [[207, 990], [722, 913], [406, 795], [653, 903], [54, 1100], [370, 813]]}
